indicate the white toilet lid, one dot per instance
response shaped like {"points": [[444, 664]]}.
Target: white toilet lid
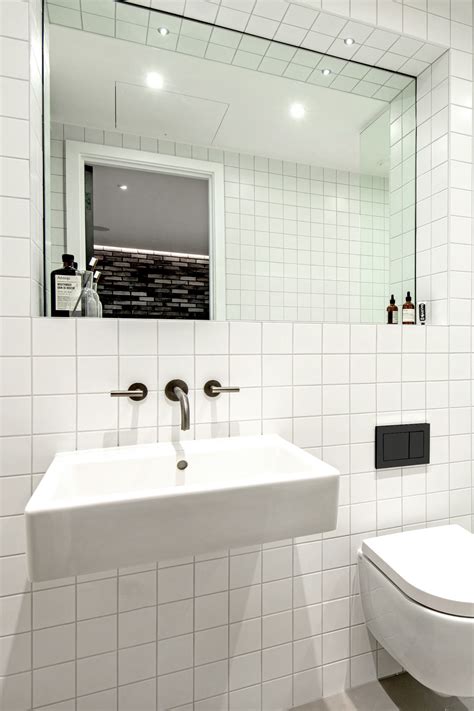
{"points": [[433, 566]]}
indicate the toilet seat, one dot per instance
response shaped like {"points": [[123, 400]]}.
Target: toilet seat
{"points": [[432, 566]]}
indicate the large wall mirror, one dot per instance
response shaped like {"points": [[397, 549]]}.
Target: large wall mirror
{"points": [[208, 173]]}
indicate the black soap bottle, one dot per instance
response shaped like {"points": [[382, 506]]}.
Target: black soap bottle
{"points": [[65, 287]]}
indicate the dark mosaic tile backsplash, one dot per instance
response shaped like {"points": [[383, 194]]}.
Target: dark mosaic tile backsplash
{"points": [[141, 285]]}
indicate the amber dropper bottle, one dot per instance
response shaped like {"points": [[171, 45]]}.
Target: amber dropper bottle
{"points": [[408, 311], [392, 311]]}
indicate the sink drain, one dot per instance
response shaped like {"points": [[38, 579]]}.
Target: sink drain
{"points": [[182, 464]]}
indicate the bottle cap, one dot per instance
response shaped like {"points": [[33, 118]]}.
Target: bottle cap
{"points": [[408, 296], [392, 299], [67, 257]]}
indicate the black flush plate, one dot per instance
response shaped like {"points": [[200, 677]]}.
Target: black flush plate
{"points": [[402, 445]]}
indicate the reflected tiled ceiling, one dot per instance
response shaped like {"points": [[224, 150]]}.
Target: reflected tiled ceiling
{"points": [[313, 30]]}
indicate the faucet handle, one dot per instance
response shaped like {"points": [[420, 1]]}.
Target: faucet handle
{"points": [[137, 392], [170, 389], [213, 388]]}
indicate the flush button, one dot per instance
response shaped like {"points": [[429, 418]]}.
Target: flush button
{"points": [[395, 446], [417, 444], [402, 445]]}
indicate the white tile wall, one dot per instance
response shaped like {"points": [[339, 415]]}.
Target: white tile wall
{"points": [[302, 242], [21, 167], [83, 644], [249, 626]]}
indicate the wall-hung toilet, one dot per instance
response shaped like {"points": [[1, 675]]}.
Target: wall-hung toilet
{"points": [[417, 591]]}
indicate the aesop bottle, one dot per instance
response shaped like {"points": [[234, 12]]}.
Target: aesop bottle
{"points": [[65, 287]]}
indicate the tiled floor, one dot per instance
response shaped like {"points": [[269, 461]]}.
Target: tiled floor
{"points": [[397, 693]]}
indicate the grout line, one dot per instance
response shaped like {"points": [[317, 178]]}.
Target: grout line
{"points": [[194, 628], [229, 657], [76, 406], [31, 490], [157, 636], [262, 588], [117, 631], [350, 499]]}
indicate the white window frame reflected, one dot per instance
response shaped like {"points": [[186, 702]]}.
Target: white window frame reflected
{"points": [[79, 154]]}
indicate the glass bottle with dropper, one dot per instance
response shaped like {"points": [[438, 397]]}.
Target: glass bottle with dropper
{"points": [[392, 311], [408, 311]]}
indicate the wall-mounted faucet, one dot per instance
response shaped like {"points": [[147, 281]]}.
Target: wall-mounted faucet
{"points": [[177, 391]]}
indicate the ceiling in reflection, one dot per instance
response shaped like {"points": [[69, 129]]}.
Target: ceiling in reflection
{"points": [[103, 85], [141, 26]]}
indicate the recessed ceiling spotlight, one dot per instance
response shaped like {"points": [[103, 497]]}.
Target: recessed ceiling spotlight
{"points": [[163, 31], [297, 111], [123, 187], [154, 80], [326, 72], [349, 41]]}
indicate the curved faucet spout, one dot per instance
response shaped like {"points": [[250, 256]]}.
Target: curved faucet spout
{"points": [[184, 406], [177, 391]]}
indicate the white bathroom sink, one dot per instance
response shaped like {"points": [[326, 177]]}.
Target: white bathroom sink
{"points": [[106, 508]]}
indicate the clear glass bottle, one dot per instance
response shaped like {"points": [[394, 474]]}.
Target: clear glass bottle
{"points": [[89, 300], [95, 288]]}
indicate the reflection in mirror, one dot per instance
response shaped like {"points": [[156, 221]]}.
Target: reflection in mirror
{"points": [[215, 174], [153, 255]]}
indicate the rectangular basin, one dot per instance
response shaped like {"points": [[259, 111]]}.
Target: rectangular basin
{"points": [[107, 508]]}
